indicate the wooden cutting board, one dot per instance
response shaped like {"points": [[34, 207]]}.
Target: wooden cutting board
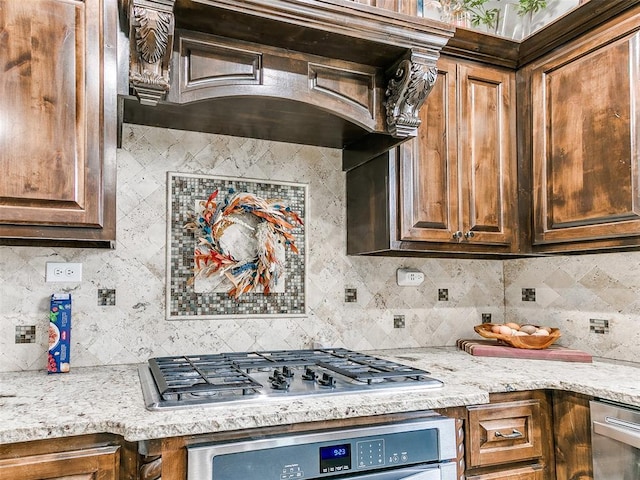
{"points": [[491, 348]]}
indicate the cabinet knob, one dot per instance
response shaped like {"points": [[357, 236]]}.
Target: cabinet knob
{"points": [[514, 434], [457, 235], [469, 235]]}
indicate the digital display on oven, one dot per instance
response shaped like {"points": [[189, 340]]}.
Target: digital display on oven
{"points": [[335, 458]]}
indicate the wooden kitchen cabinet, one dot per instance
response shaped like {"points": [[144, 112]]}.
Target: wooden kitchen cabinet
{"points": [[458, 175], [57, 122], [453, 187], [572, 432], [585, 129], [565, 181], [504, 432], [93, 464], [75, 458], [510, 438]]}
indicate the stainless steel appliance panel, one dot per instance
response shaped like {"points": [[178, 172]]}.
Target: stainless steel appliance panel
{"points": [[185, 381], [418, 449], [615, 437]]}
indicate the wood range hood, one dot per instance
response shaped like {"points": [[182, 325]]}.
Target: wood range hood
{"points": [[333, 73]]}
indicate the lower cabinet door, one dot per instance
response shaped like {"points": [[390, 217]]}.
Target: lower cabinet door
{"points": [[530, 472], [101, 463]]}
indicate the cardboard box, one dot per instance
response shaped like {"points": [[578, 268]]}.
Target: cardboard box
{"points": [[59, 333]]}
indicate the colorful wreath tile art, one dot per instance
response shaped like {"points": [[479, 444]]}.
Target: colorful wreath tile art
{"points": [[267, 220], [236, 247]]}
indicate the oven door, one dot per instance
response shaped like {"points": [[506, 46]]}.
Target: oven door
{"points": [[439, 471], [419, 449], [615, 438], [442, 471]]}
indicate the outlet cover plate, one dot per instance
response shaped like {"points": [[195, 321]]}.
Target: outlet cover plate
{"points": [[409, 277], [63, 272]]}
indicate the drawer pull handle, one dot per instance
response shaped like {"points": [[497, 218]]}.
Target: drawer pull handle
{"points": [[514, 434]]}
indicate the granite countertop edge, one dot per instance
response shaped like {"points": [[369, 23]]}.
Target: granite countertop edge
{"points": [[35, 406]]}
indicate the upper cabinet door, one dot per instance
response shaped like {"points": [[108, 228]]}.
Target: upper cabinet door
{"points": [[457, 177], [429, 167], [53, 146], [586, 138], [487, 155]]}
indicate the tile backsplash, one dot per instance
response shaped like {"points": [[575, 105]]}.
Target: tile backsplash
{"points": [[570, 291], [119, 307]]}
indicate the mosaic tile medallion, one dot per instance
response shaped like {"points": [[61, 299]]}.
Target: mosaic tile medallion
{"points": [[106, 297], [188, 299]]}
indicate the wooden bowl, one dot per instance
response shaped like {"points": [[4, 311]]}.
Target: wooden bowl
{"points": [[532, 342]]}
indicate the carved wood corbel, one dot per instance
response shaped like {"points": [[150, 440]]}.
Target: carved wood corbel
{"points": [[411, 83], [151, 26]]}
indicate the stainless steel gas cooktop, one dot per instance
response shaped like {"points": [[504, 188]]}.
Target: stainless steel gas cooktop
{"points": [[197, 380]]}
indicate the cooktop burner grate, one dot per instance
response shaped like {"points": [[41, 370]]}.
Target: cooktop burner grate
{"points": [[368, 369], [231, 375], [209, 374]]}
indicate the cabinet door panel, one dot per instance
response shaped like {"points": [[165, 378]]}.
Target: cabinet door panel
{"points": [[572, 428], [428, 169], [52, 121], [33, 104], [486, 154], [101, 463], [586, 115]]}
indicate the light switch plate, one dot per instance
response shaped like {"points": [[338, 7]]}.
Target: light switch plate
{"points": [[63, 272]]}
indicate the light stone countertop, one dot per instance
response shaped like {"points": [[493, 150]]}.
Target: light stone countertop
{"points": [[108, 399]]}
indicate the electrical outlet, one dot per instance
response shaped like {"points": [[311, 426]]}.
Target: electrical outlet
{"points": [[64, 272], [409, 277]]}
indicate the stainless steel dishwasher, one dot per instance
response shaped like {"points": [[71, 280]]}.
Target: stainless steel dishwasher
{"points": [[615, 437]]}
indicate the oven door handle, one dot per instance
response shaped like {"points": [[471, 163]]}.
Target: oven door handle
{"points": [[616, 430], [444, 471], [426, 475]]}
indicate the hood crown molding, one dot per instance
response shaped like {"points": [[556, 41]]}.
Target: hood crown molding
{"points": [[322, 72]]}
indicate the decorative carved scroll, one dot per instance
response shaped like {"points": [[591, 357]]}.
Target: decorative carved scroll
{"points": [[151, 468], [461, 466], [405, 94], [151, 38]]}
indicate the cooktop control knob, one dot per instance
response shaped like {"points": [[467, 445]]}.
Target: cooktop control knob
{"points": [[327, 380], [309, 374], [279, 381], [287, 372]]}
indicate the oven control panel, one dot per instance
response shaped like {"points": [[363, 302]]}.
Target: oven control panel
{"points": [[325, 454], [371, 453]]}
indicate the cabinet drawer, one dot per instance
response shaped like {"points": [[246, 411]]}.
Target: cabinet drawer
{"points": [[503, 433], [531, 472]]}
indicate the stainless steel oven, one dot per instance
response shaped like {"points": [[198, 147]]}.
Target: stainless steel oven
{"points": [[422, 449], [615, 438]]}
